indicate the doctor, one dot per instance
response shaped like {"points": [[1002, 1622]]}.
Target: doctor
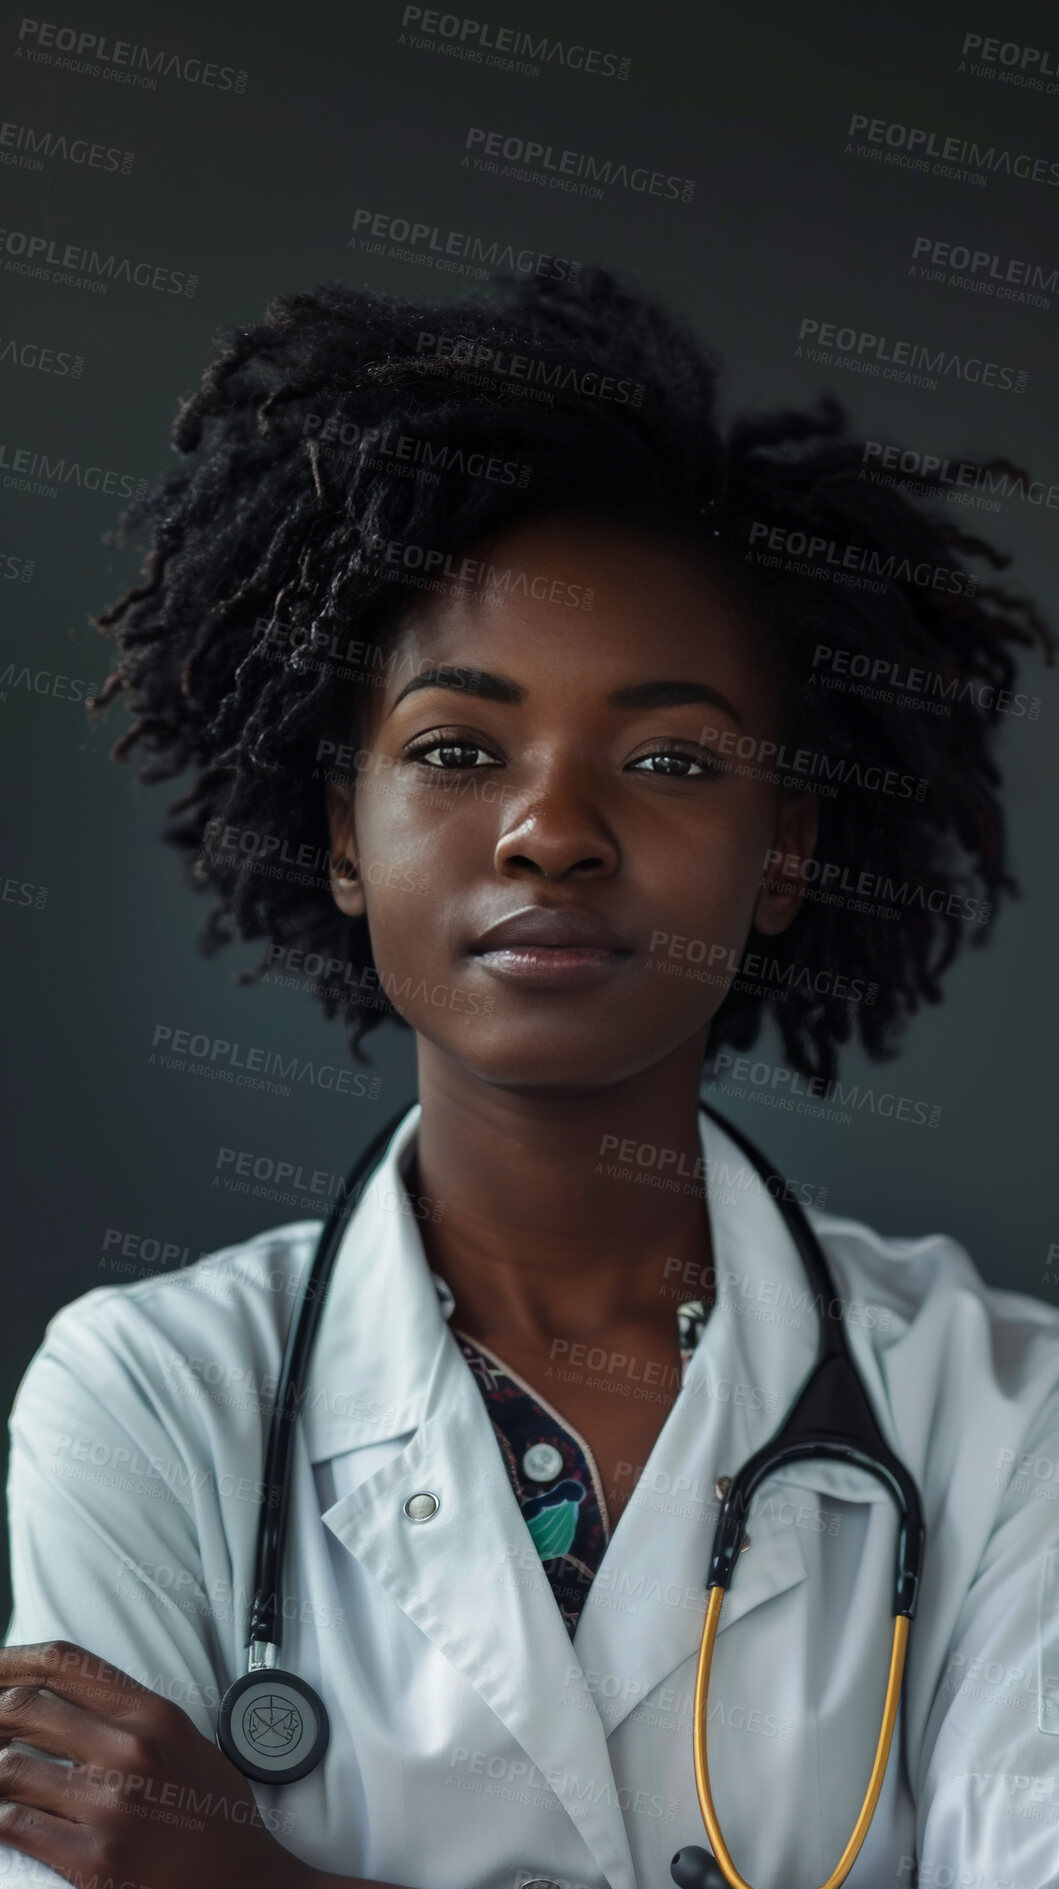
{"points": [[515, 1308]]}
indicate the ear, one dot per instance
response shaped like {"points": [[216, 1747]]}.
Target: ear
{"points": [[347, 889], [793, 843]]}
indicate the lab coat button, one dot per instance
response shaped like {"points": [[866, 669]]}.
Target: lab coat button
{"points": [[721, 1487], [420, 1508], [542, 1462]]}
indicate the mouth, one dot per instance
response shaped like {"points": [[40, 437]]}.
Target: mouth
{"points": [[551, 948]]}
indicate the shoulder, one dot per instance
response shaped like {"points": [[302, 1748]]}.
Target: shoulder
{"points": [[925, 1297], [221, 1320]]}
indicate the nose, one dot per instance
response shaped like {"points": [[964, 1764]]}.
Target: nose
{"points": [[558, 830]]}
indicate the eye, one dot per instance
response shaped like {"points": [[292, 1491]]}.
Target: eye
{"points": [[681, 763], [454, 750]]}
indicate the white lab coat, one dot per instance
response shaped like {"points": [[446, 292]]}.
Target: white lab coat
{"points": [[473, 1744]]}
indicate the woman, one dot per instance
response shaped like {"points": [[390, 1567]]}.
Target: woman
{"points": [[473, 615]]}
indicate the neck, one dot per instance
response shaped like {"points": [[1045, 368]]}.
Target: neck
{"points": [[544, 1230]]}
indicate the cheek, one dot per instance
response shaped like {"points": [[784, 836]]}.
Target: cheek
{"points": [[711, 882], [410, 863], [390, 887]]}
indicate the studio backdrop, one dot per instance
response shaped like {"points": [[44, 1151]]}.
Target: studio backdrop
{"points": [[841, 201]]}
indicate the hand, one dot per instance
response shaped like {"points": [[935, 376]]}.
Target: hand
{"points": [[148, 1800]]}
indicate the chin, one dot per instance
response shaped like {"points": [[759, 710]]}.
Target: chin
{"points": [[544, 1062]]}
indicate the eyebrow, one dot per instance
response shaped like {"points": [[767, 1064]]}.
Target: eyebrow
{"points": [[654, 693]]}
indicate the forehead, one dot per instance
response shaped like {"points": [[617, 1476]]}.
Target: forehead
{"points": [[582, 605]]}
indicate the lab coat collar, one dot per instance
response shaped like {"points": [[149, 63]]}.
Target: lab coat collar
{"points": [[382, 1326]]}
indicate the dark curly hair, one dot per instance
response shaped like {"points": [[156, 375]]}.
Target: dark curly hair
{"points": [[310, 451]]}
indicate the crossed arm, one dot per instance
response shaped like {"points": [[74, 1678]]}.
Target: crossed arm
{"points": [[143, 1797]]}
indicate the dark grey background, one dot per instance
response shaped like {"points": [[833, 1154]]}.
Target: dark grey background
{"points": [[256, 193]]}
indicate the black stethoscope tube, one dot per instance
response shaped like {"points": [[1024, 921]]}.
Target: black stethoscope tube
{"points": [[831, 1418], [266, 1616]]}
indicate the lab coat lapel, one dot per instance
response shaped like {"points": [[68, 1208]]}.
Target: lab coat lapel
{"points": [[472, 1582], [645, 1611], [386, 1366]]}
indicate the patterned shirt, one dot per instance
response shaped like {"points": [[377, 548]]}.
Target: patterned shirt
{"points": [[552, 1470]]}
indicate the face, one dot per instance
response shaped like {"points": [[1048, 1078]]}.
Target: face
{"points": [[564, 775]]}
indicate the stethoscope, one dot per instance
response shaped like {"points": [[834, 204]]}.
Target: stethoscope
{"points": [[274, 1726]]}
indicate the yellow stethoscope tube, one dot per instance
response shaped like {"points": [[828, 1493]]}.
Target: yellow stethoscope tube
{"points": [[878, 1771]]}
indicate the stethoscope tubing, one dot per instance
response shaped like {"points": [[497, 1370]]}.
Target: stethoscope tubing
{"points": [[267, 1612], [832, 1412]]}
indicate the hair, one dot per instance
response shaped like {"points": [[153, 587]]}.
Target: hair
{"points": [[274, 544]]}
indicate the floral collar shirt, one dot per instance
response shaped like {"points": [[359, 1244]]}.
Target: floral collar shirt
{"points": [[552, 1470]]}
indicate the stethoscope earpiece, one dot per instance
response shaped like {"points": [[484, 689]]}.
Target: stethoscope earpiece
{"points": [[695, 1868]]}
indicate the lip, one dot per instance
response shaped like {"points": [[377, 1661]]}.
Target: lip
{"points": [[551, 947], [552, 927]]}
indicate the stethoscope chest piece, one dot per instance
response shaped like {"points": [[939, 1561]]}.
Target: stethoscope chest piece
{"points": [[273, 1726]]}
